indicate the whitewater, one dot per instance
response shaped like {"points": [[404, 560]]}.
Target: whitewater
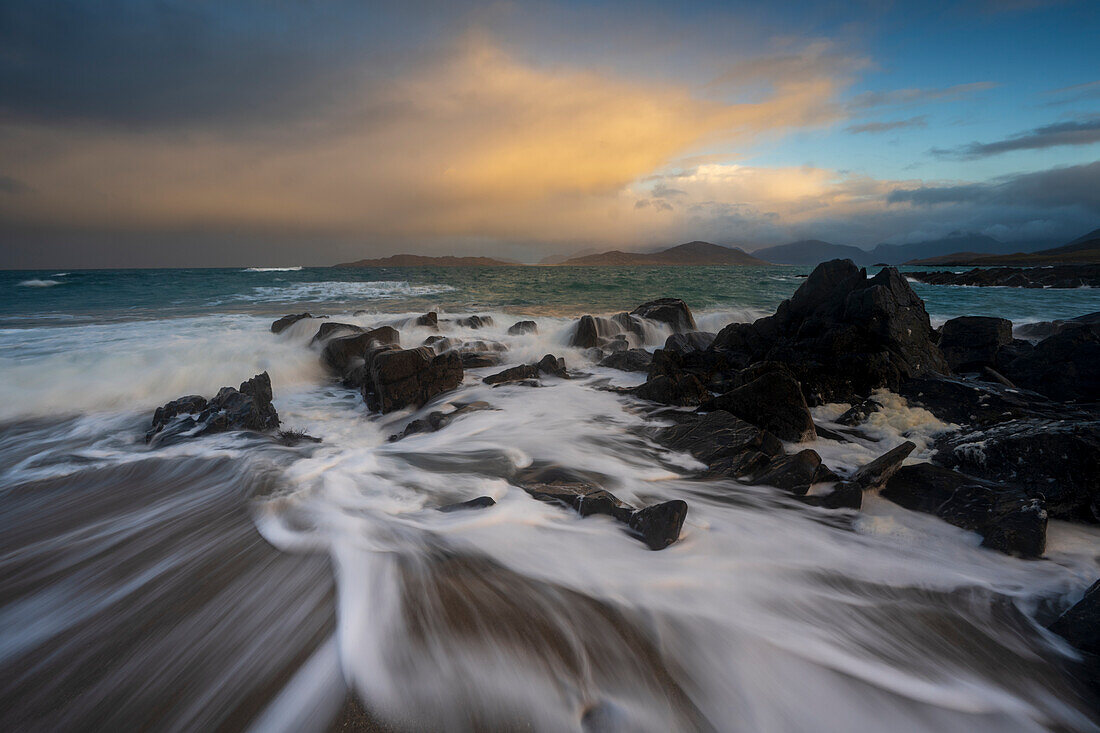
{"points": [[231, 582]]}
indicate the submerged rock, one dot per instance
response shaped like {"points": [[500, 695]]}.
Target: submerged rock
{"points": [[437, 419], [774, 402], [874, 475], [1006, 517], [246, 408], [481, 502], [409, 377], [287, 321], [473, 321], [521, 327], [1080, 625], [683, 390], [631, 360]]}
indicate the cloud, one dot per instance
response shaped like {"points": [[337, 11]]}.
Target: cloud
{"points": [[910, 97], [468, 141], [1078, 132], [1074, 93], [1067, 187], [877, 127]]}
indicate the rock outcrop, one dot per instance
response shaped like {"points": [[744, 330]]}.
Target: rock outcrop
{"points": [[398, 378], [287, 321], [970, 343], [245, 408]]}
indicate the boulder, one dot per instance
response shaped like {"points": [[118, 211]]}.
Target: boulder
{"points": [[1080, 625], [1053, 458], [683, 390], [246, 408], [773, 402], [729, 446], [437, 420], [343, 353], [549, 365], [473, 321], [286, 321], [521, 327], [671, 311], [585, 333], [1064, 366], [794, 472], [841, 334], [1006, 517], [428, 320], [410, 377], [689, 341], [970, 343], [1042, 329], [472, 360], [874, 475], [332, 329], [632, 360]]}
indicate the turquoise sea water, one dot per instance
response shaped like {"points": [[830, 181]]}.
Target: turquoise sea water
{"points": [[53, 297]]}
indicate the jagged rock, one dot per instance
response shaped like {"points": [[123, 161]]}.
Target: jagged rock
{"points": [[246, 408], [971, 342], [774, 402], [632, 360], [481, 502], [859, 412], [1080, 625], [728, 445], [343, 353], [428, 320], [550, 365], [964, 402], [1065, 366], [841, 334], [521, 327], [287, 321], [683, 390], [1007, 519], [333, 329], [874, 475], [657, 525], [690, 341], [671, 311], [1055, 458], [585, 333], [410, 377], [795, 472]]}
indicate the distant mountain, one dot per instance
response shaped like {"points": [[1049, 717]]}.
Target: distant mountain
{"points": [[895, 254], [422, 261], [812, 252], [691, 253], [1085, 250], [558, 259]]}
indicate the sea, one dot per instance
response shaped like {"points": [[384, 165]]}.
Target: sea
{"points": [[233, 583]]}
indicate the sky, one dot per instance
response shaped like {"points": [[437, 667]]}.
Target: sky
{"points": [[190, 133]]}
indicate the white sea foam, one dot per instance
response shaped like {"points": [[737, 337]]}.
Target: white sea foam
{"points": [[40, 283], [316, 292], [272, 269]]}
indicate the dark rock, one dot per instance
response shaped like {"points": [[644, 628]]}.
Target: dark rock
{"points": [[332, 329], [437, 419], [1052, 458], [1057, 276], [428, 320], [874, 475], [690, 341], [841, 334], [774, 402], [845, 495], [343, 353], [990, 374], [671, 311], [472, 360], [859, 412], [1007, 519], [1065, 366], [521, 327], [553, 366], [632, 360], [439, 343], [410, 377], [754, 371], [658, 525], [286, 321], [971, 342], [292, 438], [246, 408], [481, 502], [683, 390], [1080, 625], [549, 365], [1042, 329], [728, 445], [474, 321], [964, 402], [585, 333], [795, 472]]}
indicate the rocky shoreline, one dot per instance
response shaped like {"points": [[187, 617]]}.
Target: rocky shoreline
{"points": [[1026, 447], [1055, 276]]}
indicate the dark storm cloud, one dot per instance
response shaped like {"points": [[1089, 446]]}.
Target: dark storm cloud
{"points": [[168, 63], [1075, 186], [1077, 132], [877, 127]]}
